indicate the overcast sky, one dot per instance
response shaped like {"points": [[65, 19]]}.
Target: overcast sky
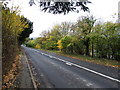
{"points": [[103, 10]]}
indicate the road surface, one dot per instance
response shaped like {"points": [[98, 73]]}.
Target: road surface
{"points": [[65, 72]]}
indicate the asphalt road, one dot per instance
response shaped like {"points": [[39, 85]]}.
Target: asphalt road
{"points": [[65, 72]]}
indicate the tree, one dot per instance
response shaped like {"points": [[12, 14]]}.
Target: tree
{"points": [[26, 31], [49, 39], [56, 32], [60, 45], [84, 28], [12, 26], [83, 37], [106, 39], [112, 35], [57, 7], [65, 28], [64, 43]]}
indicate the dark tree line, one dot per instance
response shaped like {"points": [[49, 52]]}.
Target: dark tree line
{"points": [[26, 32]]}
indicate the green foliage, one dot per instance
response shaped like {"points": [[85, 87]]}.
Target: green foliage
{"points": [[66, 43], [105, 39], [85, 25], [60, 45], [26, 31], [37, 46], [31, 43], [84, 38], [12, 26]]}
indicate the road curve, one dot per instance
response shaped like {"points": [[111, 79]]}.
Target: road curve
{"points": [[64, 72]]}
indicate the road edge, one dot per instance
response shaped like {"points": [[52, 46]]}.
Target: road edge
{"points": [[32, 77]]}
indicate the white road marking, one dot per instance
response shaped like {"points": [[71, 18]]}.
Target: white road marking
{"points": [[50, 56], [87, 69], [41, 53], [89, 84], [69, 64], [95, 72], [61, 60], [84, 80]]}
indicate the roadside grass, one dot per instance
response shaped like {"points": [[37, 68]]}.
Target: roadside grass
{"points": [[106, 62]]}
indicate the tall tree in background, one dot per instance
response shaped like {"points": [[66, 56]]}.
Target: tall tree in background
{"points": [[84, 27], [65, 28]]}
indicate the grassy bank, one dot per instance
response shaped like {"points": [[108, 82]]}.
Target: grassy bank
{"points": [[106, 62]]}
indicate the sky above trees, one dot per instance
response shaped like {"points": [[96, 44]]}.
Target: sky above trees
{"points": [[103, 10]]}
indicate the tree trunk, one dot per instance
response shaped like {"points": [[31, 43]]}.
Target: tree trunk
{"points": [[87, 47], [92, 50]]}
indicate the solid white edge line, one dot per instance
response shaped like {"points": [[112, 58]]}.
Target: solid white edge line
{"points": [[34, 84], [95, 72]]}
